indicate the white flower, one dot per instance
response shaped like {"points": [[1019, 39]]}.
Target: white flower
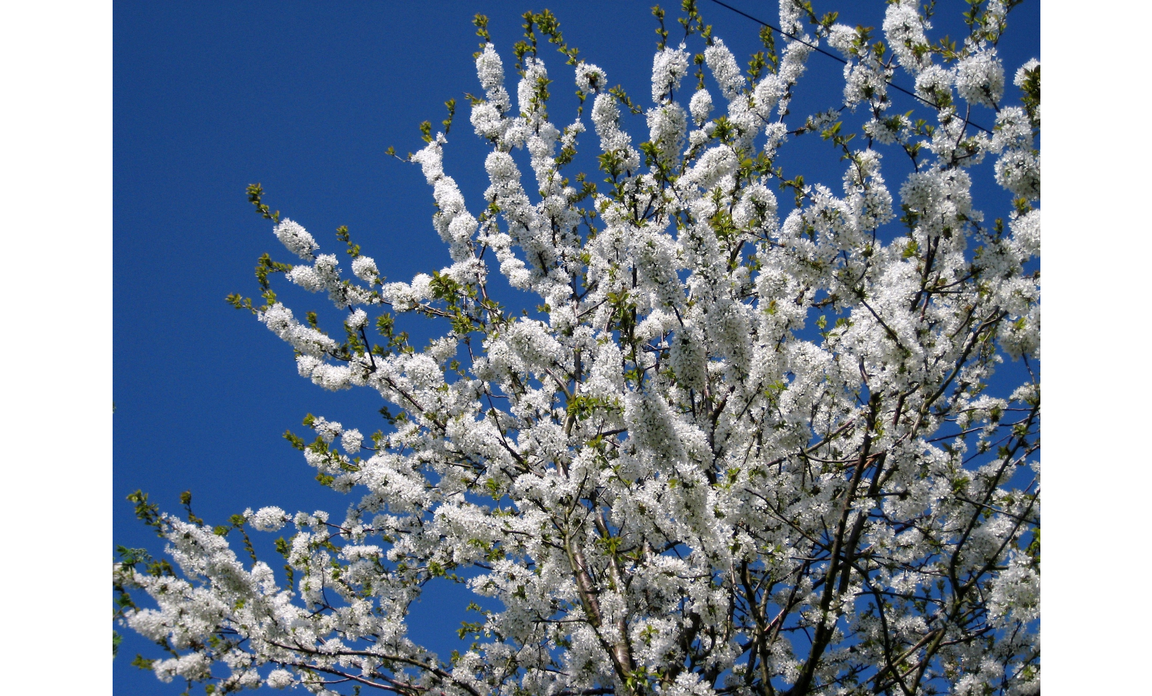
{"points": [[364, 268], [934, 82], [1013, 130], [862, 80], [305, 277], [268, 519], [995, 16], [1026, 234], [904, 30], [700, 106], [351, 440], [590, 78], [666, 125], [715, 165], [790, 13], [489, 68], [332, 377], [767, 95], [725, 69], [1019, 171], [354, 553], [324, 274], [756, 209], [296, 239], [326, 429], [688, 359], [887, 130], [668, 68], [1023, 70], [356, 320], [527, 90], [980, 78], [487, 121], [606, 117], [816, 122], [280, 679], [843, 38], [941, 197], [307, 340]]}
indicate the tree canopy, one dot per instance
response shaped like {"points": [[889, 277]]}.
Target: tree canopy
{"points": [[747, 434]]}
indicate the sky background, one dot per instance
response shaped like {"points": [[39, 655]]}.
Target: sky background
{"points": [[304, 98]]}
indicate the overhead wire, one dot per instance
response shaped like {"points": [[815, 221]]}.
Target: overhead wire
{"points": [[835, 57]]}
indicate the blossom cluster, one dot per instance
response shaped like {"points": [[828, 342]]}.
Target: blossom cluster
{"points": [[744, 443]]}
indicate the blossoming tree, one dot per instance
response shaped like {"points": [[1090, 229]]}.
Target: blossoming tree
{"points": [[747, 444]]}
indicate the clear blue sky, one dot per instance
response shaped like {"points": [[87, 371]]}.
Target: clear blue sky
{"points": [[304, 98]]}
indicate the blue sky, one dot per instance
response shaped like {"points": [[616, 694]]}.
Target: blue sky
{"points": [[305, 98]]}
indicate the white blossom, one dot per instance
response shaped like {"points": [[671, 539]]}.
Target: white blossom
{"points": [[326, 429], [590, 78], [732, 434], [356, 320], [725, 69], [1023, 70], [667, 125], [351, 440], [700, 106], [268, 519], [307, 340], [980, 78], [296, 239], [842, 38], [364, 268], [934, 81], [1018, 171], [904, 31], [668, 68]]}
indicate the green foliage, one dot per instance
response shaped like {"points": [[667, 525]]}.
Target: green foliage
{"points": [[625, 101], [693, 23], [186, 501], [343, 236], [1031, 96], [447, 123], [770, 54], [797, 185], [582, 407], [481, 23], [658, 13], [255, 193], [146, 512], [143, 663]]}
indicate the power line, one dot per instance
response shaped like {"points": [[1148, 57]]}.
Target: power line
{"points": [[835, 57]]}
